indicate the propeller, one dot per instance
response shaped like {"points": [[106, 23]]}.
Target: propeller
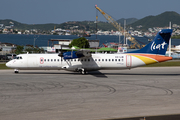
{"points": [[61, 55]]}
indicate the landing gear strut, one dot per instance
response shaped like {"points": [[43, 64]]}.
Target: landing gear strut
{"points": [[82, 71], [16, 71]]}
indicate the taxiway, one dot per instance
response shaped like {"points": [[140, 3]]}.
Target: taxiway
{"points": [[63, 95]]}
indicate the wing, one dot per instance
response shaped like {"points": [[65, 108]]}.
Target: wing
{"points": [[75, 54]]}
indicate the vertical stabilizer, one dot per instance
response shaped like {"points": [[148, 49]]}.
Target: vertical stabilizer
{"points": [[159, 44]]}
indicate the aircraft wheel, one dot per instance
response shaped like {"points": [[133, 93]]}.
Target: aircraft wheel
{"points": [[16, 71], [83, 72]]}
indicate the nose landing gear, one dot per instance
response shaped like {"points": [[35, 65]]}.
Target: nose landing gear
{"points": [[16, 71]]}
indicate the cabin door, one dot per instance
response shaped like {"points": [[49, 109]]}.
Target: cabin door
{"points": [[128, 60]]}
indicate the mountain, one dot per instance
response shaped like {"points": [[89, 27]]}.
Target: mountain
{"points": [[18, 25], [161, 20], [86, 25], [8, 22], [128, 21], [82, 25]]}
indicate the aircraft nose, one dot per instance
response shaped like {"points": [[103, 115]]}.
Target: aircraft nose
{"points": [[8, 64]]}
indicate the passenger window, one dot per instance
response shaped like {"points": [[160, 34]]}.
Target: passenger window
{"points": [[112, 59], [99, 59], [51, 59], [115, 59], [44, 60], [48, 60], [55, 60], [102, 59], [119, 60], [58, 60], [106, 59], [88, 59], [109, 59], [20, 57]]}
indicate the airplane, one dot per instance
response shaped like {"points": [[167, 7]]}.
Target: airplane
{"points": [[154, 52]]}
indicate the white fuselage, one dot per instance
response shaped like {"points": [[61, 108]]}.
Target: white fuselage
{"points": [[54, 62]]}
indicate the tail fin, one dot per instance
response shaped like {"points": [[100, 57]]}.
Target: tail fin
{"points": [[159, 44]]}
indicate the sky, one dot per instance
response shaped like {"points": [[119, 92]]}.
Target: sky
{"points": [[60, 11]]}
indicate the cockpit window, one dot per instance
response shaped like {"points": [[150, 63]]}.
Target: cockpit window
{"points": [[18, 57]]}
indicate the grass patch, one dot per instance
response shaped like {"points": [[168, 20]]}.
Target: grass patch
{"points": [[3, 66], [165, 64]]}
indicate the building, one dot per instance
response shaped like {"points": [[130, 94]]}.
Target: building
{"points": [[55, 45]]}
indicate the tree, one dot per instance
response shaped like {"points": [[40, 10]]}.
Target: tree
{"points": [[32, 49], [19, 49], [80, 42]]}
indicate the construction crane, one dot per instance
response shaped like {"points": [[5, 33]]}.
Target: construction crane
{"points": [[119, 28]]}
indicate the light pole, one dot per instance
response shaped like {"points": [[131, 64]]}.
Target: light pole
{"points": [[35, 39]]}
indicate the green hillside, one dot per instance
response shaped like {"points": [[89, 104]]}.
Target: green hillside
{"points": [[128, 21], [86, 25], [161, 20], [82, 25], [21, 26]]}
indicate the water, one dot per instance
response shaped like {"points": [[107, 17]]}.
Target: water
{"points": [[42, 40]]}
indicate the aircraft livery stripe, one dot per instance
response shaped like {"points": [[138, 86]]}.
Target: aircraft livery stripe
{"points": [[157, 58], [146, 60]]}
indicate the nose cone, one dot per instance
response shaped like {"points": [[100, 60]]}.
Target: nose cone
{"points": [[8, 64]]}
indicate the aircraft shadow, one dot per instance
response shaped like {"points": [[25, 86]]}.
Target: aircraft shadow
{"points": [[93, 73]]}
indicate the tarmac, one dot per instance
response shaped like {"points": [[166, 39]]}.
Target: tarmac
{"points": [[138, 94]]}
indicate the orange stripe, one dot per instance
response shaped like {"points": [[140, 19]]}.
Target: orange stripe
{"points": [[159, 58]]}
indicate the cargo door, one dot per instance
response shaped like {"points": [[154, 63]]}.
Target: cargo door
{"points": [[128, 60]]}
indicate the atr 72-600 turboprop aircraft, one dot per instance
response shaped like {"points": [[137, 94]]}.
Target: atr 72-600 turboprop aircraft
{"points": [[153, 52]]}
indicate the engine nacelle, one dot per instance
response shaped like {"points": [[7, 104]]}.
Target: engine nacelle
{"points": [[75, 54], [72, 55]]}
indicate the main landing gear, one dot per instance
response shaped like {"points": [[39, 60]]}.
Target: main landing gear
{"points": [[82, 71]]}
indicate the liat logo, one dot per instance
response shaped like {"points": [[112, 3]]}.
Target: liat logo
{"points": [[158, 46]]}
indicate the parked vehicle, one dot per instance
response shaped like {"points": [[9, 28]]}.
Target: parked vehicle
{"points": [[11, 56], [3, 57]]}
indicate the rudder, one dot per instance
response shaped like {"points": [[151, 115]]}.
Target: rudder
{"points": [[159, 44]]}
